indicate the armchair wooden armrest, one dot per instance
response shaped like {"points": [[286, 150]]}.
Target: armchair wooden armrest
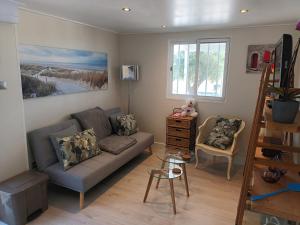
{"points": [[235, 137]]}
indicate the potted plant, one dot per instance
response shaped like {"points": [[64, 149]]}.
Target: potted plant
{"points": [[285, 108]]}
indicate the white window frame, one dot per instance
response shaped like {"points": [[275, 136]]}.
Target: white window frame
{"points": [[170, 95]]}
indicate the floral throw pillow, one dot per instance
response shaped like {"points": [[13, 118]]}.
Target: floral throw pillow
{"points": [[222, 134], [77, 148], [128, 125]]}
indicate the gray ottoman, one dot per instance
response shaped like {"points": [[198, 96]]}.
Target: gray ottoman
{"points": [[23, 195]]}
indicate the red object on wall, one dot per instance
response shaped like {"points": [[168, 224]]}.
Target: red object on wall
{"points": [[298, 26], [273, 67], [254, 61], [267, 56]]}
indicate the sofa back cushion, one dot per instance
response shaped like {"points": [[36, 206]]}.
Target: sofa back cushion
{"points": [[94, 118], [61, 134], [115, 124], [40, 145], [112, 111]]}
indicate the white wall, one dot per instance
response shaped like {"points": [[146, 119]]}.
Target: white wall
{"points": [[37, 29], [150, 51], [13, 153]]}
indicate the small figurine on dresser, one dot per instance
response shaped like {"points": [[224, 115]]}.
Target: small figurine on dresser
{"points": [[189, 109]]}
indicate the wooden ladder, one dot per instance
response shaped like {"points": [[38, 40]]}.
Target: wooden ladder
{"points": [[253, 159]]}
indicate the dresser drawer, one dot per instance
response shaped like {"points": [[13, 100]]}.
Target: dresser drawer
{"points": [[177, 148], [178, 132], [178, 123], [177, 141]]}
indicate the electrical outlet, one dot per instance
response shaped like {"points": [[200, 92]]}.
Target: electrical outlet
{"points": [[3, 85]]}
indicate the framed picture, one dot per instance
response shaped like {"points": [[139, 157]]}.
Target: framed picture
{"points": [[49, 71], [258, 56]]}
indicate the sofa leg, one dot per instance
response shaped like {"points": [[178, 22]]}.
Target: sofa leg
{"points": [[150, 149], [81, 200]]}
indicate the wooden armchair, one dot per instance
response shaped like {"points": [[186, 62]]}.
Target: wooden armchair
{"points": [[229, 152]]}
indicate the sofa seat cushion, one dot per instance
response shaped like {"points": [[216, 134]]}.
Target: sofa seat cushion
{"points": [[116, 144], [90, 172]]}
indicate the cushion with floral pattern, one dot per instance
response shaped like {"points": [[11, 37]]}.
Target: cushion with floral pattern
{"points": [[222, 134], [77, 148], [128, 125]]}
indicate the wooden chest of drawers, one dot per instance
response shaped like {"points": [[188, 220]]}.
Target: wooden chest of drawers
{"points": [[181, 133]]}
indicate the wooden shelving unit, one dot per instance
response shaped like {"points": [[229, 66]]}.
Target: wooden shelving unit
{"points": [[285, 205], [284, 127]]}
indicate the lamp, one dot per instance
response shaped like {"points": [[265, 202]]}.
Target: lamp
{"points": [[129, 73]]}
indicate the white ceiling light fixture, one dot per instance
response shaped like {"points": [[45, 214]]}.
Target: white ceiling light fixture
{"points": [[243, 11], [126, 9], [163, 26]]}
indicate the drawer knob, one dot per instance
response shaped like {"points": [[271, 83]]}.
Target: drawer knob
{"points": [[177, 139], [178, 121], [178, 130]]}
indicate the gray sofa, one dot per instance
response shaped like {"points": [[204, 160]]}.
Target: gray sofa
{"points": [[88, 173]]}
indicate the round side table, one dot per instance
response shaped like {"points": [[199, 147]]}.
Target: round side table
{"points": [[169, 174]]}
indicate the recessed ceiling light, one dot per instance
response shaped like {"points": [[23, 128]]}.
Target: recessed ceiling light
{"points": [[126, 9], [163, 26], [244, 10]]}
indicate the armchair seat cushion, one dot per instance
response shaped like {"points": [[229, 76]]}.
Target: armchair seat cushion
{"points": [[222, 134], [210, 149]]}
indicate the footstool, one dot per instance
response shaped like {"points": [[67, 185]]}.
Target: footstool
{"points": [[23, 195]]}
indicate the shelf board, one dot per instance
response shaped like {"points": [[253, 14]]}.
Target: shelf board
{"points": [[274, 81], [285, 163], [288, 127], [267, 142], [285, 205]]}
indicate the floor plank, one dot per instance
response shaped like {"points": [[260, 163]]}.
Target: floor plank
{"points": [[118, 200]]}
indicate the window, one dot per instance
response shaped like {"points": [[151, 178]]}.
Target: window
{"points": [[198, 69]]}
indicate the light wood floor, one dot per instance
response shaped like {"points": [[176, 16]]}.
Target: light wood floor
{"points": [[118, 199]]}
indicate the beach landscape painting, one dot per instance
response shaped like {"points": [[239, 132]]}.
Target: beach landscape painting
{"points": [[49, 71]]}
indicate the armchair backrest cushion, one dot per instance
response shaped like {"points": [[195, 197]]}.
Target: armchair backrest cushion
{"points": [[221, 135]]}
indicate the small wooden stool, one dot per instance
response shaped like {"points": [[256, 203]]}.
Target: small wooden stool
{"points": [[23, 195]]}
